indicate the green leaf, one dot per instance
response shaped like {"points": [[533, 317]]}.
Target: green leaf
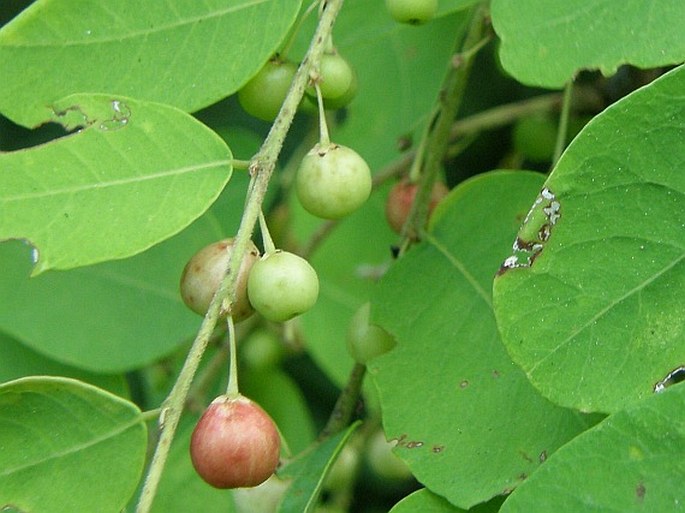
{"points": [[115, 316], [631, 462], [309, 471], [185, 53], [546, 43], [57, 435], [137, 174], [449, 365], [591, 305], [19, 361], [427, 502]]}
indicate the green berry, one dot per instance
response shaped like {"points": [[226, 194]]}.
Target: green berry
{"points": [[332, 181], [262, 351], [382, 459], [235, 444], [414, 12], [336, 76], [535, 137], [204, 272], [282, 285], [366, 340], [264, 94]]}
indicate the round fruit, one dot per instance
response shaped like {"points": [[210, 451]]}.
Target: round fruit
{"points": [[414, 12], [282, 285], [365, 340], [262, 351], [264, 94], [332, 181], [235, 444], [336, 76], [535, 137], [204, 272], [383, 460], [402, 196]]}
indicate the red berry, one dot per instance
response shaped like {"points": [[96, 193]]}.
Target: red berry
{"points": [[235, 444], [402, 196], [203, 273]]}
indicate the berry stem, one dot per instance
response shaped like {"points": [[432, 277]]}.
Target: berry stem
{"points": [[261, 168], [232, 390], [269, 246], [346, 404], [562, 131], [449, 100], [324, 138]]}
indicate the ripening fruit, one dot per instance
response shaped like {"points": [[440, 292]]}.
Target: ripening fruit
{"points": [[332, 181], [235, 444], [282, 285], [264, 94], [413, 12], [366, 340], [203, 273], [401, 197]]}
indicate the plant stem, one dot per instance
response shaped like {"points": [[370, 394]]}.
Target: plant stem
{"points": [[232, 390], [562, 131], [324, 138], [346, 404], [261, 168], [449, 101], [269, 246]]}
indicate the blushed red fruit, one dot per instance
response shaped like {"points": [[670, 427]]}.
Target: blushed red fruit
{"points": [[402, 196], [203, 273], [235, 444]]}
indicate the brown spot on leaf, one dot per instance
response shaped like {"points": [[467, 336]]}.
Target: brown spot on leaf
{"points": [[640, 491]]}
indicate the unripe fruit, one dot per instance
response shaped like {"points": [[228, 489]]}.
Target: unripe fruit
{"points": [[264, 94], [383, 461], [262, 351], [535, 137], [203, 273], [332, 181], [401, 197], [365, 340], [336, 76], [282, 285], [413, 12], [235, 444]]}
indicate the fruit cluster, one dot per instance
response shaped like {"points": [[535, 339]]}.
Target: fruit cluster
{"points": [[235, 443]]}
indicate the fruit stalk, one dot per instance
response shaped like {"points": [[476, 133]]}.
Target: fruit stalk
{"points": [[346, 404], [261, 167], [449, 101]]}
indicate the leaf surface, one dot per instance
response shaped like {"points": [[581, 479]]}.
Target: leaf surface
{"points": [[309, 471], [57, 435], [449, 364], [546, 43], [137, 174], [182, 52], [591, 305], [18, 361], [631, 462]]}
